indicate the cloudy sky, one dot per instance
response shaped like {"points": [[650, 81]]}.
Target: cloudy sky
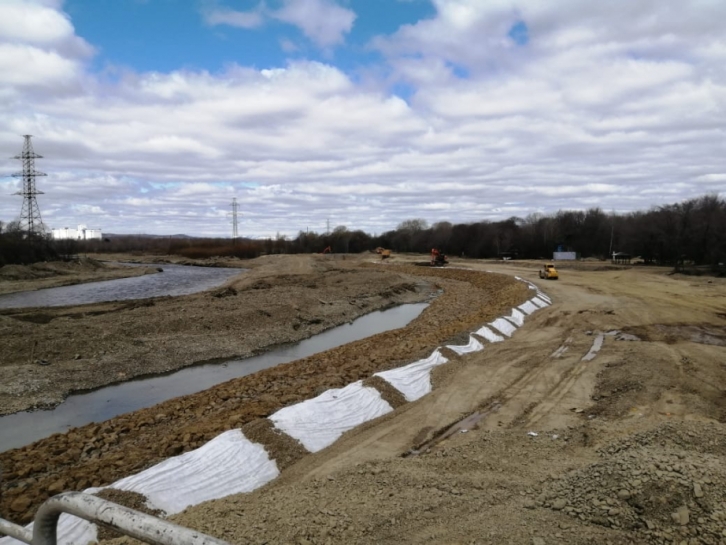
{"points": [[152, 115]]}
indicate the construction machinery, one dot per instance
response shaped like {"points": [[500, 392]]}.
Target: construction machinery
{"points": [[383, 252], [548, 272], [438, 258]]}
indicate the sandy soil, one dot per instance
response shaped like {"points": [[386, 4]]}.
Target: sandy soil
{"points": [[14, 278], [268, 303], [282, 300], [630, 446]]}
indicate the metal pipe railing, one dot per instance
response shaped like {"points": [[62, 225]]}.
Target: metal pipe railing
{"points": [[13, 530], [141, 526]]}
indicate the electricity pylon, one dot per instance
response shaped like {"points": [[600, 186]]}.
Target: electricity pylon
{"points": [[30, 213]]}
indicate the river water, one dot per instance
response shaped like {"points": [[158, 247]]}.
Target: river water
{"points": [[21, 429], [175, 280]]}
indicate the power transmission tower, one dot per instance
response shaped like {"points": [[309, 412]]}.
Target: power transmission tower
{"points": [[30, 213], [235, 206]]}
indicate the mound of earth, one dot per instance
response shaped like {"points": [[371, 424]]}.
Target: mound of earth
{"points": [[52, 274], [269, 307]]}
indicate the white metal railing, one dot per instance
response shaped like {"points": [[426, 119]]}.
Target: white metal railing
{"points": [[141, 526]]}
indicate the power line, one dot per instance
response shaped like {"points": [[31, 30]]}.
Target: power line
{"points": [[30, 212]]}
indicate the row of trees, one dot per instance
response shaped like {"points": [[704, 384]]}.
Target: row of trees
{"points": [[17, 246], [693, 231]]}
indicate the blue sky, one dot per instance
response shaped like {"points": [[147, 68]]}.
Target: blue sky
{"points": [[152, 115], [165, 35]]}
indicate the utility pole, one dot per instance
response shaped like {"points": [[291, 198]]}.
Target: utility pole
{"points": [[30, 213], [235, 206]]}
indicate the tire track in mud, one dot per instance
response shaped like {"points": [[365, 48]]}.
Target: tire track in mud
{"points": [[522, 402]]}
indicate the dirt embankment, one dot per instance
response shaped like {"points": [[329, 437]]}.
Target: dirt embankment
{"points": [[99, 454], [628, 447], [283, 300], [15, 278]]}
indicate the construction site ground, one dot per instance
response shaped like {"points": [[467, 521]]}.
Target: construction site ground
{"points": [[628, 446]]}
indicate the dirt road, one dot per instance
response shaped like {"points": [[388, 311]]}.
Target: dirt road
{"points": [[622, 445]]}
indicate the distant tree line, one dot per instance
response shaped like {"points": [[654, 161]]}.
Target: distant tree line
{"points": [[693, 231], [18, 246], [689, 232]]}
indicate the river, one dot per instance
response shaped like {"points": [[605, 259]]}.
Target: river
{"points": [[175, 280], [17, 430]]}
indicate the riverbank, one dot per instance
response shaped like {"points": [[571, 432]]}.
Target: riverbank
{"points": [[98, 454], [626, 445], [54, 274], [51, 352]]}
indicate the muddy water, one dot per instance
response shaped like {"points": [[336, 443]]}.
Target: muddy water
{"points": [[21, 429], [174, 280]]}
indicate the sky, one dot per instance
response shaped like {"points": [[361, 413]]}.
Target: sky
{"points": [[152, 115]]}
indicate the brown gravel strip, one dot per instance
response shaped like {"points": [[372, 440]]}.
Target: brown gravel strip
{"points": [[389, 394], [282, 448]]}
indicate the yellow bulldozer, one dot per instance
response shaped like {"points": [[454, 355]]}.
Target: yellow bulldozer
{"points": [[548, 272], [383, 252]]}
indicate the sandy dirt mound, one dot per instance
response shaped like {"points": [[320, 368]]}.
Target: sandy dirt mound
{"points": [[93, 345], [15, 278], [96, 455], [628, 447]]}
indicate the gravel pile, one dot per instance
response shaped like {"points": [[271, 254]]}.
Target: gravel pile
{"points": [[667, 484]]}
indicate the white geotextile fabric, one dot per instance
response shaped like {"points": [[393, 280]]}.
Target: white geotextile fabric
{"points": [[489, 335], [528, 307], [540, 303], [506, 327], [69, 531], [594, 349], [472, 346], [544, 297], [319, 422], [228, 464], [517, 317], [414, 379]]}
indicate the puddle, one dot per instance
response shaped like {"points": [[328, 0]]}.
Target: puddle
{"points": [[17, 430]]}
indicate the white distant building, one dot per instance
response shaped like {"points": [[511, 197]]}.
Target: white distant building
{"points": [[82, 233]]}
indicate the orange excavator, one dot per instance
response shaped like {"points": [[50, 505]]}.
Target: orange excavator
{"points": [[326, 251], [383, 252], [438, 258]]}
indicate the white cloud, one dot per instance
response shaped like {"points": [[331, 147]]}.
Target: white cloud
{"points": [[21, 65], [240, 19], [620, 106], [38, 48], [323, 21]]}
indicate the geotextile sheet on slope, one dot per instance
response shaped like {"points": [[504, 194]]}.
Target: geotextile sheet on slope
{"points": [[319, 422], [472, 346], [504, 326], [489, 335], [414, 380], [528, 307], [228, 464]]}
